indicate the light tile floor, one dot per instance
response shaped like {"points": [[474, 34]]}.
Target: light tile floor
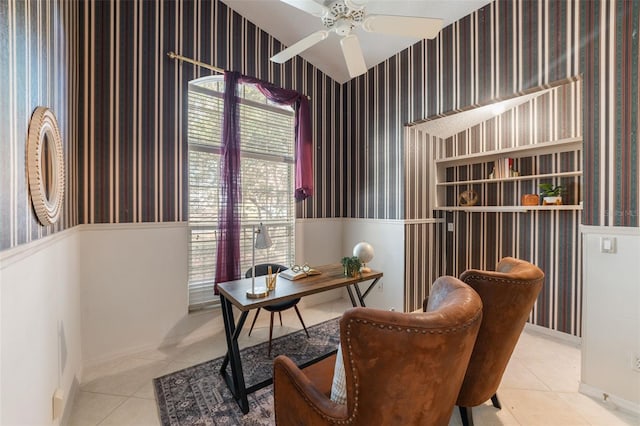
{"points": [[540, 386]]}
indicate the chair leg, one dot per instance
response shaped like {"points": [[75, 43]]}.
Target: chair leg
{"points": [[254, 321], [496, 401], [280, 315], [466, 416], [270, 333], [301, 322]]}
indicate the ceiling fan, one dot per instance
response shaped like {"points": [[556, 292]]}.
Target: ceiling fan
{"points": [[342, 16]]}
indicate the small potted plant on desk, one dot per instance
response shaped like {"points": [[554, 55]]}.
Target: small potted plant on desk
{"points": [[351, 265], [551, 195]]}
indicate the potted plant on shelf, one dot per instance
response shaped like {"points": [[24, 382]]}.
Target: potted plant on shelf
{"points": [[351, 265], [551, 195]]}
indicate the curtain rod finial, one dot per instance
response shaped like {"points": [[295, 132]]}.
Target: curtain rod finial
{"points": [[171, 54]]}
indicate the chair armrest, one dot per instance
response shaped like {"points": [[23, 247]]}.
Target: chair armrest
{"points": [[296, 399]]}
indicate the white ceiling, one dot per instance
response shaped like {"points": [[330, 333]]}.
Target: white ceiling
{"points": [[445, 127], [289, 25]]}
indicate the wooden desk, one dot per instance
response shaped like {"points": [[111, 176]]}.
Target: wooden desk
{"points": [[234, 293]]}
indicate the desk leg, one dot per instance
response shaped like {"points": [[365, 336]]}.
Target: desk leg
{"points": [[353, 300], [360, 295], [360, 298], [235, 382], [371, 286]]}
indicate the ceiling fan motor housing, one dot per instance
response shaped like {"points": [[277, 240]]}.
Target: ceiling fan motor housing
{"points": [[341, 18]]}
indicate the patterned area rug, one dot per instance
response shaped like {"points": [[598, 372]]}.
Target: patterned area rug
{"points": [[198, 395]]}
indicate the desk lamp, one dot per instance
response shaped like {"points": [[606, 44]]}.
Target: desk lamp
{"points": [[261, 240]]}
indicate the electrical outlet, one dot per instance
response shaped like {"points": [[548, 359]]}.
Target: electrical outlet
{"points": [[607, 244], [635, 361], [450, 226]]}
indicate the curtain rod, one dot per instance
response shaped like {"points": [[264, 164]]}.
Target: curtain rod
{"points": [[173, 55], [177, 57]]}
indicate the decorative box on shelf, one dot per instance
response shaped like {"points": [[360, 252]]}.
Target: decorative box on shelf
{"points": [[530, 200]]}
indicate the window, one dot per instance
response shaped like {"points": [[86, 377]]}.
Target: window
{"points": [[267, 168]]}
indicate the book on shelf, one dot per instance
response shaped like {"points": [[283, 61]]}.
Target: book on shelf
{"points": [[503, 168], [292, 276]]}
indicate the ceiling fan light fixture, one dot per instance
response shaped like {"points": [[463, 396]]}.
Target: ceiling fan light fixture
{"points": [[328, 21], [343, 27], [338, 8], [338, 13]]}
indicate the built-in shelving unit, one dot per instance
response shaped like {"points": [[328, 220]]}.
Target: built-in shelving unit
{"points": [[512, 209], [533, 150], [508, 179]]}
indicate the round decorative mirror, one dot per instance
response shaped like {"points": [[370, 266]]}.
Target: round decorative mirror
{"points": [[45, 165]]}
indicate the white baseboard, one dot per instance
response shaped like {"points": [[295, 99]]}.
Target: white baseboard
{"points": [[192, 336], [182, 339], [611, 400], [555, 334], [71, 399]]}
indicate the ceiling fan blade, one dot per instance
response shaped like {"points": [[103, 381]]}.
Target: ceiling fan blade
{"points": [[299, 46], [353, 55], [308, 6], [409, 26]]}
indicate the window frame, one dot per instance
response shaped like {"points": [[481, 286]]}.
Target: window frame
{"points": [[204, 286]]}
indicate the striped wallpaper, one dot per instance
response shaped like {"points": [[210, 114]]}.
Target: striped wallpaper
{"points": [[120, 101], [549, 239], [504, 48], [424, 233], [39, 67], [132, 137], [130, 140], [480, 240]]}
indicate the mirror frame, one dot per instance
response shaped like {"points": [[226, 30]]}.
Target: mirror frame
{"points": [[44, 133]]}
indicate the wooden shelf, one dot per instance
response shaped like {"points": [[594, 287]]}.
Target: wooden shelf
{"points": [[507, 209], [542, 148], [514, 178], [439, 195]]}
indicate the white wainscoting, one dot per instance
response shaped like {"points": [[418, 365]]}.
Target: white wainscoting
{"points": [[94, 293], [611, 316], [324, 241], [40, 337], [319, 242], [134, 291], [134, 288], [387, 239]]}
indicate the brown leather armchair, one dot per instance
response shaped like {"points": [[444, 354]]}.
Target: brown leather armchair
{"points": [[400, 368], [508, 295]]}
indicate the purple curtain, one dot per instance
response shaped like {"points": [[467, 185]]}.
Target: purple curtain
{"points": [[304, 144], [228, 257]]}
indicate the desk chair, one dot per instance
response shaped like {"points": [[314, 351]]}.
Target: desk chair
{"points": [[261, 270]]}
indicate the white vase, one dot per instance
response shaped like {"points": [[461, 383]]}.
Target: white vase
{"points": [[552, 201]]}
